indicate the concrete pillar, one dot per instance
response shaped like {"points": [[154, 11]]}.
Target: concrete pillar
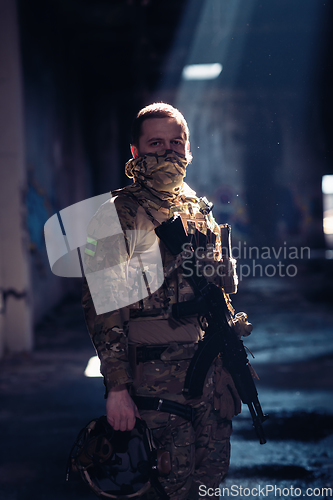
{"points": [[15, 315]]}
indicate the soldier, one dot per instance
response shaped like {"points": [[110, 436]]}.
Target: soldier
{"points": [[144, 352]]}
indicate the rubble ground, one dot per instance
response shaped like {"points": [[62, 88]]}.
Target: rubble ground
{"points": [[46, 400]]}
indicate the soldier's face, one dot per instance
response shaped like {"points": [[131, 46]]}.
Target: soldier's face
{"points": [[158, 134]]}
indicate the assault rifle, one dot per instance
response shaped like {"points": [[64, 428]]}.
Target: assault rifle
{"points": [[220, 335]]}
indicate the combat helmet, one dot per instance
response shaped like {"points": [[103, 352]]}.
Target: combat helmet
{"points": [[116, 464]]}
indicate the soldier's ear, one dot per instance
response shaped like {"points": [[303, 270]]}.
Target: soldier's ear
{"points": [[134, 151]]}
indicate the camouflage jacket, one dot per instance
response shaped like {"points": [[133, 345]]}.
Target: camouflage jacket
{"points": [[113, 242]]}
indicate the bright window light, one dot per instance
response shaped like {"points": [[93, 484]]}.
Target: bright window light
{"points": [[201, 71], [327, 188], [93, 368], [327, 184], [328, 222]]}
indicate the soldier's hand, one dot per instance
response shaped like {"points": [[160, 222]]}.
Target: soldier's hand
{"points": [[120, 409]]}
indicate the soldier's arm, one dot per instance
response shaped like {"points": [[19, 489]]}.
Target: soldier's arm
{"points": [[108, 334], [108, 330], [108, 337]]}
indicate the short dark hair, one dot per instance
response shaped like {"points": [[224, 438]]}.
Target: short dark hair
{"points": [[156, 110]]}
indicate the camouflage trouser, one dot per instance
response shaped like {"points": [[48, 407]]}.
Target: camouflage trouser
{"points": [[199, 450], [199, 455]]}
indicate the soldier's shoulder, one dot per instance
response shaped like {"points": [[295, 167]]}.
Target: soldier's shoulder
{"points": [[114, 215], [103, 221], [125, 201]]}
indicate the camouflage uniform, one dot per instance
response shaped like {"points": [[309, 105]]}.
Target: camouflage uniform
{"points": [[199, 449]]}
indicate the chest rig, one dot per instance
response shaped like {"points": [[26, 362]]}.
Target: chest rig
{"points": [[211, 245]]}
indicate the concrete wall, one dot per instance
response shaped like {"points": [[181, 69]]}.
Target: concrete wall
{"points": [[15, 283], [58, 172], [43, 166]]}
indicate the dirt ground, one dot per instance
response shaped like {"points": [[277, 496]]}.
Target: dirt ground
{"points": [[46, 400]]}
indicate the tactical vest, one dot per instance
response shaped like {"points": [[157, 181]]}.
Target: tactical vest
{"points": [[210, 243]]}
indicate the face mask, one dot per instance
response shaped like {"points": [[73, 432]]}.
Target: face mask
{"points": [[162, 171]]}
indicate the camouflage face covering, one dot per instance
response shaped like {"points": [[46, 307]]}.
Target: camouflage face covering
{"points": [[162, 172]]}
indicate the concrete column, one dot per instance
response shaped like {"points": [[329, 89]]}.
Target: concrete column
{"points": [[15, 315]]}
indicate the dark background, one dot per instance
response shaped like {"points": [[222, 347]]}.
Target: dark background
{"points": [[261, 137], [261, 133]]}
